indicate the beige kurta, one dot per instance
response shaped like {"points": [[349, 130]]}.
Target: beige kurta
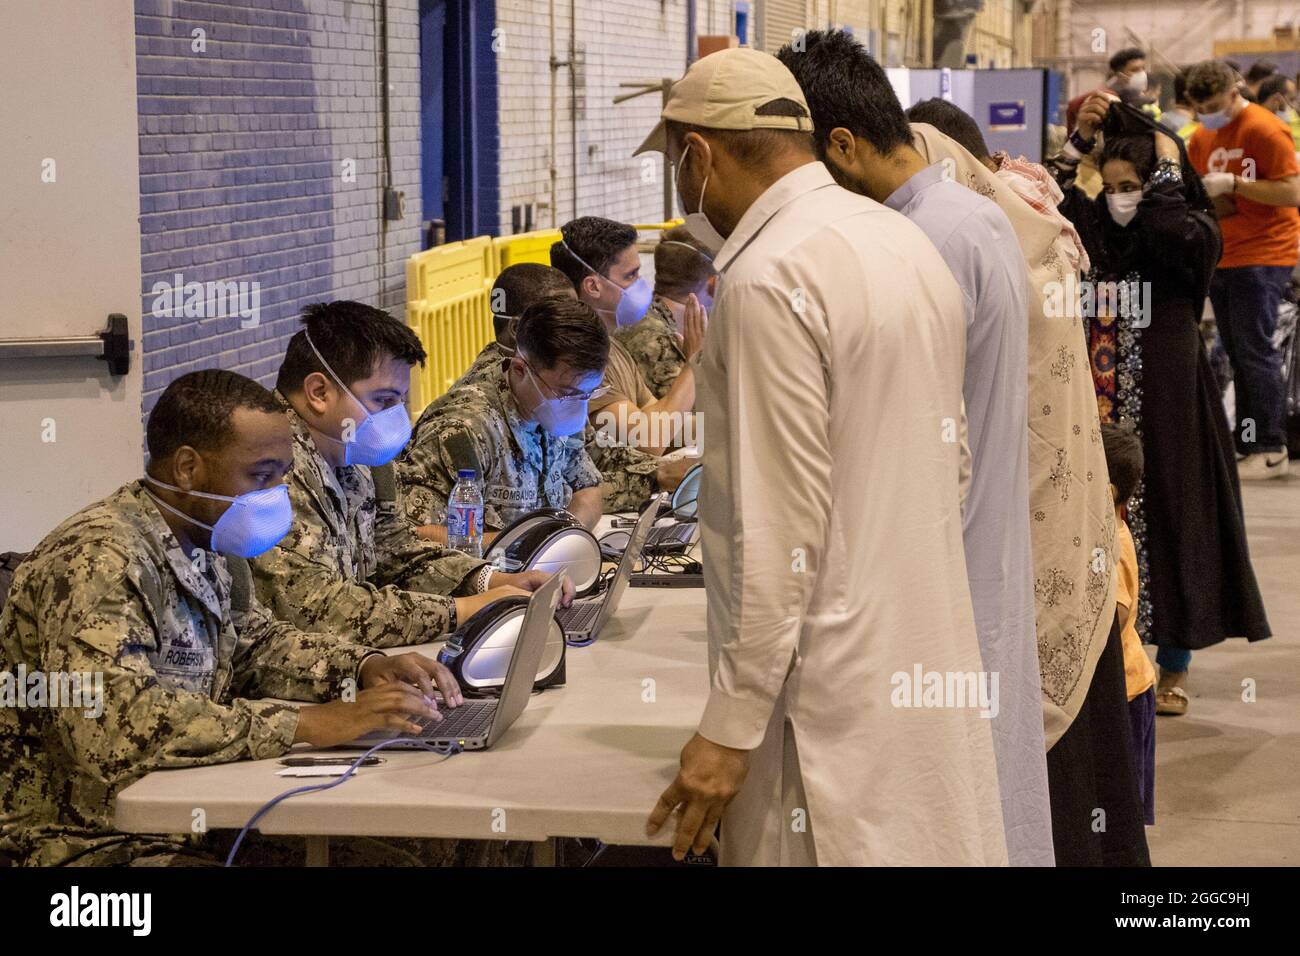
{"points": [[832, 539], [1072, 526]]}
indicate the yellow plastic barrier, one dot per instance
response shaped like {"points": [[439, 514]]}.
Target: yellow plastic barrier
{"points": [[447, 305], [525, 247]]}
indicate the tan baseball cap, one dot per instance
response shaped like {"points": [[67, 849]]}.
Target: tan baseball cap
{"points": [[725, 90]]}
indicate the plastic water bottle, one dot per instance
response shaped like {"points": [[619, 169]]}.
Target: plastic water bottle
{"points": [[465, 514]]}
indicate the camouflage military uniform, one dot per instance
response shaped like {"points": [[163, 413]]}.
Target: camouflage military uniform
{"points": [[627, 474], [352, 564], [520, 466], [657, 348], [492, 356], [110, 592]]}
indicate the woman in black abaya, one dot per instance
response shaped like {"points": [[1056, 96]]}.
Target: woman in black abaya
{"points": [[1151, 234]]}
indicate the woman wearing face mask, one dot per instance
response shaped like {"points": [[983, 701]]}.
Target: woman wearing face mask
{"points": [[1152, 241]]}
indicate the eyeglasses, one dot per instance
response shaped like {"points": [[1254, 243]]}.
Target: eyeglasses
{"points": [[575, 395]]}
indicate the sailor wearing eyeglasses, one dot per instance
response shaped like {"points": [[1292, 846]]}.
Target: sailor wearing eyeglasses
{"points": [[519, 425]]}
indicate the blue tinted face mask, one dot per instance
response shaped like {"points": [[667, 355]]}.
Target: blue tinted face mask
{"points": [[252, 525], [1219, 119], [380, 436], [559, 416], [634, 300]]}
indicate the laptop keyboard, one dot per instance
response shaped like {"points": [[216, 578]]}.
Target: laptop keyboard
{"points": [[673, 534], [578, 616], [471, 719]]}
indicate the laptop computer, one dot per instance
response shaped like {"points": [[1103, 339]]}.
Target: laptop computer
{"points": [[478, 724], [583, 620]]}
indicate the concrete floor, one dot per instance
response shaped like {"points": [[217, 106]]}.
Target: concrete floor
{"points": [[1228, 772]]}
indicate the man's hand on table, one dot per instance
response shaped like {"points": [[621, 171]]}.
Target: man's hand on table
{"points": [[529, 581], [710, 776]]}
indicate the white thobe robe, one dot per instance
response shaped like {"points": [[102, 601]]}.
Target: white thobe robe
{"points": [[830, 383], [977, 242]]}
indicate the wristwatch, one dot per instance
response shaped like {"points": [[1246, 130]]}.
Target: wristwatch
{"points": [[1084, 146]]}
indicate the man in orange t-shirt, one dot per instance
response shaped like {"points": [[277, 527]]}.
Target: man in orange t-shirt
{"points": [[1247, 161]]}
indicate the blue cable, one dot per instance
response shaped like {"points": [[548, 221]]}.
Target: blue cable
{"points": [[446, 751]]}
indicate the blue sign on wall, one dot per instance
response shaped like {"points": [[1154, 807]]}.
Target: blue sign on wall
{"points": [[1004, 117]]}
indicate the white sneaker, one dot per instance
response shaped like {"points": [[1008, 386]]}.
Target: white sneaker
{"points": [[1263, 465]]}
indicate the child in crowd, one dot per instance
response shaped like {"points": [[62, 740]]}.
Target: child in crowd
{"points": [[1124, 462]]}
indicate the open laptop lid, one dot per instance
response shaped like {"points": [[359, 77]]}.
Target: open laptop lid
{"points": [[631, 555], [687, 493], [526, 657]]}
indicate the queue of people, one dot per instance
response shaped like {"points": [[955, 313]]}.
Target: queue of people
{"points": [[925, 454]]}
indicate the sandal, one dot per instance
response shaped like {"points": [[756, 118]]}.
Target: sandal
{"points": [[1171, 699]]}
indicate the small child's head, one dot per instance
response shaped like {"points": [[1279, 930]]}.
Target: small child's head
{"points": [[1123, 459]]}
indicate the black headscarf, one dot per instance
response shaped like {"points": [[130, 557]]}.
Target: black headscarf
{"points": [[1122, 248], [1125, 120]]}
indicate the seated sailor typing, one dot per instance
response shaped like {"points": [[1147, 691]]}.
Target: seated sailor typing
{"points": [[144, 598], [351, 563]]}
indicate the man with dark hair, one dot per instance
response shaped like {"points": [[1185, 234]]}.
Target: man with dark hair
{"points": [[1277, 95], [831, 370], [1247, 161], [352, 564], [519, 425], [519, 286], [849, 94], [148, 591], [1259, 71], [515, 289], [955, 123], [1128, 73], [601, 260], [684, 282]]}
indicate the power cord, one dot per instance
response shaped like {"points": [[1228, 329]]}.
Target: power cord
{"points": [[445, 751]]}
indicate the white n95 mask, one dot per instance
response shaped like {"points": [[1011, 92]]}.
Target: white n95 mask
{"points": [[697, 223], [1123, 206], [633, 300], [380, 436], [252, 525]]}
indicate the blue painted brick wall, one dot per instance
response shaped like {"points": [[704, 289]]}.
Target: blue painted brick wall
{"points": [[241, 146]]}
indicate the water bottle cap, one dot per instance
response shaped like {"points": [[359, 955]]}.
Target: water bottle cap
{"points": [[468, 473]]}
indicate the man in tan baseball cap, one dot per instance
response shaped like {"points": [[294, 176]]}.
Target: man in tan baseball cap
{"points": [[731, 89], [740, 115], [828, 497]]}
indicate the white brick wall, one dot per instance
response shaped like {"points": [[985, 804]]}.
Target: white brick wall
{"points": [[623, 41]]}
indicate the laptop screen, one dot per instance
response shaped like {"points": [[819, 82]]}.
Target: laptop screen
{"points": [[527, 656], [627, 564]]}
